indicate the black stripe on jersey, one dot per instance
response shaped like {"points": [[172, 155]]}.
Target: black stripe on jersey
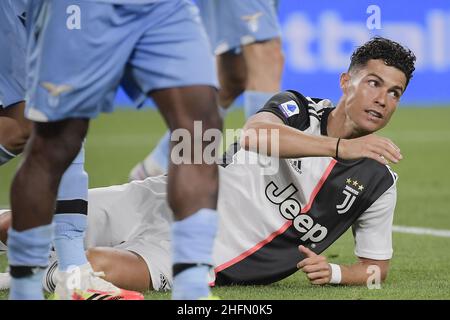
{"points": [[314, 115], [324, 121], [227, 157], [278, 258], [315, 100], [71, 206], [298, 121], [312, 110]]}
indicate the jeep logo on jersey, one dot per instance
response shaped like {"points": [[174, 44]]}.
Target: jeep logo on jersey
{"points": [[290, 209], [350, 194]]}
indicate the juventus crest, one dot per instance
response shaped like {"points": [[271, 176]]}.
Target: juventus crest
{"points": [[352, 189]]}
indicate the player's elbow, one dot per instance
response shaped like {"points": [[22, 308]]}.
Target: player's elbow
{"points": [[376, 269], [384, 274]]}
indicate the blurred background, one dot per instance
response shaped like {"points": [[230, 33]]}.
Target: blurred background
{"points": [[319, 37]]}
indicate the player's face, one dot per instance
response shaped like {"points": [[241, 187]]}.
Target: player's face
{"points": [[372, 95]]}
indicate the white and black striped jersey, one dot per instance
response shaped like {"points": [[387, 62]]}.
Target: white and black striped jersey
{"points": [[264, 215], [310, 201]]}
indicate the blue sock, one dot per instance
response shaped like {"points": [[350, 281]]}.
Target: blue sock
{"points": [[71, 215], [28, 250], [5, 155], [27, 288], [192, 243], [254, 101], [69, 240], [160, 155]]}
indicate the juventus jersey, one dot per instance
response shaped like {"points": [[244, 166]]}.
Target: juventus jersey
{"points": [[265, 212], [312, 201]]}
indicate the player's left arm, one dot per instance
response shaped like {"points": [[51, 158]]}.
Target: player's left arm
{"points": [[373, 247], [319, 271]]}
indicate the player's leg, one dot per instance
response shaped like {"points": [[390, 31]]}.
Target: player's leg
{"points": [[182, 81], [232, 76], [232, 73], [256, 21], [52, 147], [251, 28], [192, 190], [70, 215], [264, 64], [62, 229], [81, 88], [264, 69], [123, 268]]}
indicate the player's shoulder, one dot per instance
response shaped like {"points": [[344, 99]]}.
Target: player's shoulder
{"points": [[300, 100], [297, 110], [290, 95]]}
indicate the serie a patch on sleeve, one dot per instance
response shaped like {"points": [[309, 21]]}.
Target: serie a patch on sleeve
{"points": [[289, 108]]}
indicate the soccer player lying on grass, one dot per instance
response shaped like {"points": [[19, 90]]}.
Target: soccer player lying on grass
{"points": [[332, 175]]}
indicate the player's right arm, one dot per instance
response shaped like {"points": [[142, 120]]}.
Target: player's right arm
{"points": [[292, 142]]}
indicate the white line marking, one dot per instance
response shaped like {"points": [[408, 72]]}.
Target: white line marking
{"points": [[422, 231]]}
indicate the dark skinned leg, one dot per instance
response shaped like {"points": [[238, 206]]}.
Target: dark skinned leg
{"points": [[232, 73], [191, 186], [51, 150]]}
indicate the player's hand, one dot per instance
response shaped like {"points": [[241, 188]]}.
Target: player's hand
{"points": [[314, 266], [371, 146]]}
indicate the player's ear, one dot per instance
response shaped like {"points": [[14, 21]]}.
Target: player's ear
{"points": [[344, 81]]}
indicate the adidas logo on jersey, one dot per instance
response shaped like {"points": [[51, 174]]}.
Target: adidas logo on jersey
{"points": [[290, 209], [296, 164], [164, 286]]}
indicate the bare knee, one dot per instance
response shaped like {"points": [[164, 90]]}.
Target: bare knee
{"points": [[121, 267], [181, 107], [98, 260], [55, 145], [265, 62]]}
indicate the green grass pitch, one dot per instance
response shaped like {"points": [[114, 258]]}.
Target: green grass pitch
{"points": [[420, 266]]}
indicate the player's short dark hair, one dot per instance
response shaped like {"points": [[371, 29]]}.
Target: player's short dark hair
{"points": [[391, 52]]}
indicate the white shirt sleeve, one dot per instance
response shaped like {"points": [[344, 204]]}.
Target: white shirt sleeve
{"points": [[372, 231]]}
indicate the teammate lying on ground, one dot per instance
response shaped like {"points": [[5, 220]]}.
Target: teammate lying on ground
{"points": [[332, 175]]}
